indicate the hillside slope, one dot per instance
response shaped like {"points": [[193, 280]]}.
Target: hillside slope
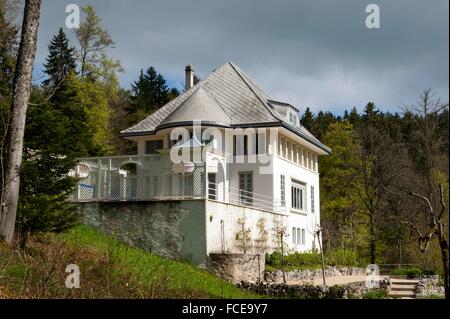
{"points": [[108, 269]]}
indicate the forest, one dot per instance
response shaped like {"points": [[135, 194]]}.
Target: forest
{"points": [[384, 189]]}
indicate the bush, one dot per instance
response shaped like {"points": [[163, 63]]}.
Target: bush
{"points": [[294, 260], [375, 294], [342, 257]]}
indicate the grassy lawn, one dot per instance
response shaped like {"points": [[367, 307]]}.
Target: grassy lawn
{"points": [[108, 269]]}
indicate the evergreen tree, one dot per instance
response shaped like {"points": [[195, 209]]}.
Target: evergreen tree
{"points": [[8, 44], [307, 119], [60, 60], [55, 136], [150, 92], [341, 214]]}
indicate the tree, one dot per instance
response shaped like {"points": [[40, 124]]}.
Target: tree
{"points": [[148, 94], [342, 221], [21, 96], [432, 164], [8, 43], [8, 53], [376, 166], [93, 99], [307, 119], [93, 40], [54, 137], [60, 60]]}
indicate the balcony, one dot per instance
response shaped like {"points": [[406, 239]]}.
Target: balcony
{"points": [[154, 177]]}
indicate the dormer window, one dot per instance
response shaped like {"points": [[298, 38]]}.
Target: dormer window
{"points": [[292, 118]]}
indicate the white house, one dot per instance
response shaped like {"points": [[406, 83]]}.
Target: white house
{"points": [[224, 144]]}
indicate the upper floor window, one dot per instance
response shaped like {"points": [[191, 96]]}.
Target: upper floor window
{"points": [[283, 190], [298, 196], [151, 147], [293, 118], [246, 187]]}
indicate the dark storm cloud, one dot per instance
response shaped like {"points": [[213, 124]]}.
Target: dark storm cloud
{"points": [[309, 53]]}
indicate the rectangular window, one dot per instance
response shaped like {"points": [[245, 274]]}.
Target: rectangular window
{"points": [[246, 187], [298, 236], [303, 237], [151, 147], [283, 190], [294, 235], [304, 158], [212, 186], [312, 200], [298, 193]]}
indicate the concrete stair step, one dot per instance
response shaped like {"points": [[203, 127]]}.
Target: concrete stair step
{"points": [[404, 282], [403, 287], [401, 294]]}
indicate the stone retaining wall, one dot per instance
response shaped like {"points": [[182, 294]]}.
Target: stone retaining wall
{"points": [[310, 275], [309, 291], [430, 285], [237, 267]]}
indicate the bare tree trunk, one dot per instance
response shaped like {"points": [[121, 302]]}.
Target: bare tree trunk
{"points": [[373, 239], [21, 96]]}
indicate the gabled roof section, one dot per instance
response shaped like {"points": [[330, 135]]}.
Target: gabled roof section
{"points": [[231, 91], [228, 97], [199, 106]]}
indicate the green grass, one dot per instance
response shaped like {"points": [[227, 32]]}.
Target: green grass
{"points": [[148, 268]]}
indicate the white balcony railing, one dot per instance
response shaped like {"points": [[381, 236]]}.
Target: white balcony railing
{"points": [[136, 177], [151, 177]]}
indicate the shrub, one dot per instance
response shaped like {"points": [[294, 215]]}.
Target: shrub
{"points": [[375, 294], [342, 257], [339, 257], [413, 273]]}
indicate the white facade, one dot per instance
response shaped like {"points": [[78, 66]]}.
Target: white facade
{"points": [[292, 160], [260, 166]]}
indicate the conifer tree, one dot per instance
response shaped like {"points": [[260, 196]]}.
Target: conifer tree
{"points": [[60, 60]]}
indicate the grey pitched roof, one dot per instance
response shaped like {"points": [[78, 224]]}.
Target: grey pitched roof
{"points": [[227, 97], [199, 106]]}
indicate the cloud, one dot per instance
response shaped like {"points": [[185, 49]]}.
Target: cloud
{"points": [[310, 53]]}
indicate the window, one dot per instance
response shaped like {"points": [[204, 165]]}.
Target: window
{"points": [[152, 146], [298, 195], [246, 187], [292, 118], [243, 149], [312, 200], [304, 158], [283, 190], [212, 187], [298, 236]]}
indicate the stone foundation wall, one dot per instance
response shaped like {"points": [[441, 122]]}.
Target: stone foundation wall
{"points": [[173, 229], [237, 267], [430, 285], [309, 291]]}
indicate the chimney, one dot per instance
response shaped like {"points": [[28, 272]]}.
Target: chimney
{"points": [[189, 81]]}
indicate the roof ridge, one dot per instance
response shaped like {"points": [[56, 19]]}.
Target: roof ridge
{"points": [[182, 103], [218, 103], [235, 68]]}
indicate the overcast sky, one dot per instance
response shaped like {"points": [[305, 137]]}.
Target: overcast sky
{"points": [[309, 53]]}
